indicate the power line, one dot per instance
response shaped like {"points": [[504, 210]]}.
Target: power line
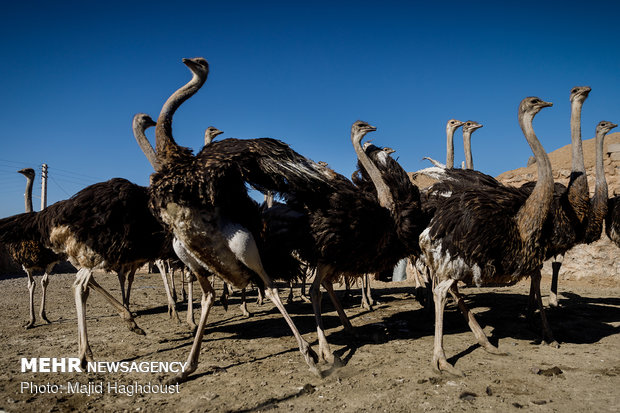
{"points": [[58, 185]]}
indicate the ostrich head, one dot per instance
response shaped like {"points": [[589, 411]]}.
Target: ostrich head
{"points": [[388, 150], [359, 130], [471, 126], [142, 121], [210, 133], [579, 93], [453, 125], [198, 65], [27, 172], [532, 105], [604, 127]]}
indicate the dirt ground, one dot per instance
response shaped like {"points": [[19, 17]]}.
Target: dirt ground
{"points": [[253, 364]]}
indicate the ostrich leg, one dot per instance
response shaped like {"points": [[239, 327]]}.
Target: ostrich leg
{"points": [[121, 280], [31, 287], [289, 299], [244, 305], [315, 292], [130, 277], [208, 294], [553, 293], [367, 301], [473, 324], [173, 289], [122, 311], [44, 283], [440, 363], [172, 310], [243, 245], [80, 292], [329, 287], [546, 329], [189, 276]]}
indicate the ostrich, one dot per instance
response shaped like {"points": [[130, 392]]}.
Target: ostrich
{"points": [[361, 179], [210, 133], [33, 256], [451, 126], [469, 127], [141, 122], [599, 202], [382, 225], [203, 200], [577, 194], [459, 243], [570, 205]]}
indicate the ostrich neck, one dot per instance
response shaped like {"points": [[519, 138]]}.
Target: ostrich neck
{"points": [[575, 133], [164, 142], [578, 192], [469, 162], [599, 201], [383, 191], [28, 194], [532, 214], [450, 148], [145, 145]]}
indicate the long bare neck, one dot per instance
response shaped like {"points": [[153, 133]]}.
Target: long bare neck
{"points": [[469, 161], [532, 214], [450, 147], [599, 201], [164, 142], [578, 192], [145, 145], [383, 191], [28, 194]]}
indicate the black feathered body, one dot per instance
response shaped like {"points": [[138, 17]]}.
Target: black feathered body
{"points": [[562, 228], [203, 199], [612, 220], [107, 226], [474, 236]]}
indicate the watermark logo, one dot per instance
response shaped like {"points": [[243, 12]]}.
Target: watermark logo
{"points": [[72, 365]]}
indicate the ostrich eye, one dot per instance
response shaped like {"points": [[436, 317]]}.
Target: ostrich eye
{"points": [[535, 101], [574, 90]]}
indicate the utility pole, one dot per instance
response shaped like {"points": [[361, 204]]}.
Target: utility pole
{"points": [[43, 186]]}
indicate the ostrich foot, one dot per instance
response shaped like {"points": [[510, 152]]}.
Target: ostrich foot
{"points": [[553, 301], [172, 313], [490, 348], [244, 311], [181, 377], [311, 359], [306, 299], [44, 318], [133, 327], [29, 324], [441, 365], [192, 325]]}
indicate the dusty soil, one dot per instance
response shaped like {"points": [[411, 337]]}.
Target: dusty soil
{"points": [[254, 365]]}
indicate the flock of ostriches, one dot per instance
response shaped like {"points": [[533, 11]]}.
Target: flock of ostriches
{"points": [[465, 227]]}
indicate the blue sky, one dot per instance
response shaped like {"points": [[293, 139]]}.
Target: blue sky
{"points": [[73, 74]]}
